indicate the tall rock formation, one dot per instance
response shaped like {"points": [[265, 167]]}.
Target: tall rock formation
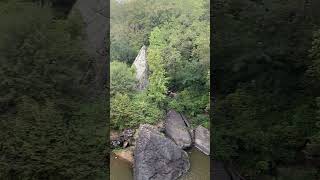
{"points": [[142, 70]]}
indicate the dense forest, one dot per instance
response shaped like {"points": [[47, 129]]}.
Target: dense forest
{"points": [[266, 72], [51, 126], [159, 87], [176, 34]]}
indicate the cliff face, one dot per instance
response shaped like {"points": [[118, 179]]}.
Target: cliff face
{"points": [[95, 17], [142, 70]]}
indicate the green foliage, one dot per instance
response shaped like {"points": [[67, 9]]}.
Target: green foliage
{"points": [[297, 173], [129, 112], [48, 131], [122, 78], [44, 143], [274, 136], [313, 72], [120, 50], [178, 55], [177, 34], [191, 102], [38, 61], [187, 53], [158, 80], [148, 111], [132, 23], [266, 83], [262, 166], [194, 105], [201, 119], [121, 111]]}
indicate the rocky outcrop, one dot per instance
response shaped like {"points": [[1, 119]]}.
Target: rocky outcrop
{"points": [[157, 157], [115, 139], [141, 67], [95, 17], [202, 139], [177, 130], [123, 139]]}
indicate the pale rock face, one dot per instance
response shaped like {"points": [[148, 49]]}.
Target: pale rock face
{"points": [[177, 130], [142, 70], [202, 139]]}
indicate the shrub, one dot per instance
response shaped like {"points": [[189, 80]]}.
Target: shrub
{"points": [[121, 111], [194, 105], [148, 111], [129, 112], [201, 119], [122, 78], [190, 102]]}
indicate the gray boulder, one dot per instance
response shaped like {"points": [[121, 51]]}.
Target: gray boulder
{"points": [[202, 139], [177, 130], [157, 157], [142, 70]]}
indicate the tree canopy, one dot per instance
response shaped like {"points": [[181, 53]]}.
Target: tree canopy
{"points": [[177, 35], [49, 129], [265, 64]]}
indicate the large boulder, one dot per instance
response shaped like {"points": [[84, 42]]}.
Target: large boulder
{"points": [[202, 139], [142, 70], [157, 157], [177, 130]]}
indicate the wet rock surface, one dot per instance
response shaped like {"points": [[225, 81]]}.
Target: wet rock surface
{"points": [[177, 130], [202, 139], [157, 157]]}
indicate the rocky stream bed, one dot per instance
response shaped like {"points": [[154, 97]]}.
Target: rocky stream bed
{"points": [[166, 151]]}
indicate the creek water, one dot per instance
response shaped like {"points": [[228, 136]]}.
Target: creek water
{"points": [[199, 170]]}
